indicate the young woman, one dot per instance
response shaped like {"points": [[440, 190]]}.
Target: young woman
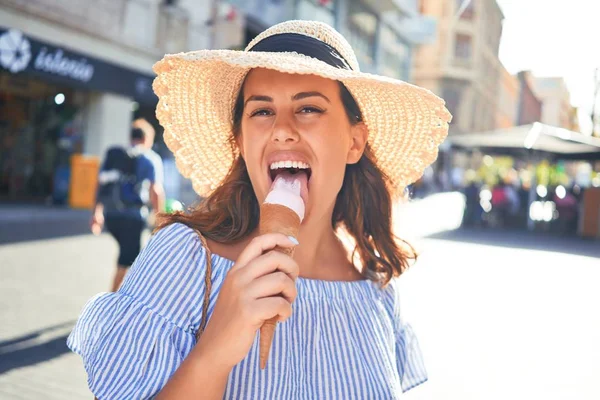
{"points": [[293, 100]]}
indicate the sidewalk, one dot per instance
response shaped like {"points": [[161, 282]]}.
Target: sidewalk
{"points": [[44, 285], [33, 222], [484, 305]]}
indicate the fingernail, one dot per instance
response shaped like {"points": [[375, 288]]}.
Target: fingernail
{"points": [[294, 240]]}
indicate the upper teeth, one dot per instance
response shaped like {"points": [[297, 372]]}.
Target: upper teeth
{"points": [[289, 164]]}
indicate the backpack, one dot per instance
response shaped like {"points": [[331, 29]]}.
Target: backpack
{"points": [[118, 184]]}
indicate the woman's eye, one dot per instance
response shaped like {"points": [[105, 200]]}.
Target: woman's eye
{"points": [[310, 110], [261, 112]]}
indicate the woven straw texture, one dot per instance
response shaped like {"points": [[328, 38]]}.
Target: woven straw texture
{"points": [[197, 92]]}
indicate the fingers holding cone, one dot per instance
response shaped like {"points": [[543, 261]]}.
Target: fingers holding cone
{"points": [[267, 332], [275, 218]]}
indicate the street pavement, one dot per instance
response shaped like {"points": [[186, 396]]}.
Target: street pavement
{"points": [[33, 222], [499, 315]]}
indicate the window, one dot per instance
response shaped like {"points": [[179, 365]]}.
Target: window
{"points": [[452, 97], [317, 10], [362, 27], [462, 46], [467, 8], [395, 58]]}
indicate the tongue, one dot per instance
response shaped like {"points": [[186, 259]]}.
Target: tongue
{"points": [[298, 180]]}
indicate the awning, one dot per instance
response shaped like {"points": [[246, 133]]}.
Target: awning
{"points": [[537, 137]]}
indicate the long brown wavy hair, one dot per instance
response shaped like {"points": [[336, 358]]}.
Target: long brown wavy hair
{"points": [[363, 208]]}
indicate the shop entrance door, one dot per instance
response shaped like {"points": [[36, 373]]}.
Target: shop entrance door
{"points": [[38, 135]]}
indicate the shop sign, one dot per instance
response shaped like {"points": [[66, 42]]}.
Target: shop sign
{"points": [[57, 63], [21, 54]]}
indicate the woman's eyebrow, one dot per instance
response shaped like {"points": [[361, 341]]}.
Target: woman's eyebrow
{"points": [[304, 95], [258, 98], [297, 96]]}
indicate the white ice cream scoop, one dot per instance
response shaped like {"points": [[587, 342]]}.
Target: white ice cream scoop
{"points": [[286, 192]]}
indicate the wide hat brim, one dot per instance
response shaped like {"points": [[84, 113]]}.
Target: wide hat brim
{"points": [[197, 92]]}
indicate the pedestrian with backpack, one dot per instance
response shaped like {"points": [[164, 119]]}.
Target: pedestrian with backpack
{"points": [[127, 186], [149, 135]]}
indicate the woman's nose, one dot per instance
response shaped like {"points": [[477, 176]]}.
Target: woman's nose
{"points": [[284, 131]]}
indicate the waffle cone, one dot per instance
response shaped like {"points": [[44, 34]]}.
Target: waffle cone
{"points": [[275, 218]]}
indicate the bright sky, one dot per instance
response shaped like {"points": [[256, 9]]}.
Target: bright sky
{"points": [[555, 38]]}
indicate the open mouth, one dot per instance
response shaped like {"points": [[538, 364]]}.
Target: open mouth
{"points": [[292, 169]]}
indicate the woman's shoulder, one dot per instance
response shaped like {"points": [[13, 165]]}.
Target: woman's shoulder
{"points": [[173, 251], [391, 297], [178, 248], [173, 264], [175, 231]]}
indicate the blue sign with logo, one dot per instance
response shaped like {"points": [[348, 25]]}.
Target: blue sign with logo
{"points": [[22, 54]]}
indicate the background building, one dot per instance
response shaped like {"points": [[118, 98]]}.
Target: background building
{"points": [[508, 97], [74, 74], [574, 119], [556, 101], [529, 108], [462, 65], [383, 34]]}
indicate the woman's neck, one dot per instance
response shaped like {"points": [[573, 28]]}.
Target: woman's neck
{"points": [[321, 255]]}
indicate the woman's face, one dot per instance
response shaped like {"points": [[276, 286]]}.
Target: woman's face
{"points": [[298, 118]]}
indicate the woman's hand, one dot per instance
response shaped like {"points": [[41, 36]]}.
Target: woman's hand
{"points": [[261, 285], [97, 222]]}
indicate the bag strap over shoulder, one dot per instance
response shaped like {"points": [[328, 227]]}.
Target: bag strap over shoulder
{"points": [[207, 284]]}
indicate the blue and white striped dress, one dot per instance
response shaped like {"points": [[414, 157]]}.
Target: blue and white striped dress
{"points": [[345, 340]]}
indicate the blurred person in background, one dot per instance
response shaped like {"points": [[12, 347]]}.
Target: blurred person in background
{"points": [[500, 205], [567, 207], [157, 162], [523, 193], [513, 203], [473, 210], [127, 185]]}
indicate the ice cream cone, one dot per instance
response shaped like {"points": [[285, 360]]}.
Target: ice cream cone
{"points": [[275, 218]]}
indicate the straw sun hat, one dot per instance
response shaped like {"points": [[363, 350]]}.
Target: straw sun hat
{"points": [[197, 92]]}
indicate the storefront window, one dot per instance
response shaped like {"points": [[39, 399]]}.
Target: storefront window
{"points": [[362, 26], [41, 127], [317, 10]]}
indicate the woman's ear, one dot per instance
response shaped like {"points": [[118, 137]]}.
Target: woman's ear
{"points": [[358, 141], [238, 142]]}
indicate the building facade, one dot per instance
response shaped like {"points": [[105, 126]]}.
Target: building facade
{"points": [[383, 34], [556, 101], [508, 98], [462, 64], [529, 108], [74, 74]]}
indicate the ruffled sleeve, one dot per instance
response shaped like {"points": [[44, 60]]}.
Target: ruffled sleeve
{"points": [[409, 359], [133, 340]]}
